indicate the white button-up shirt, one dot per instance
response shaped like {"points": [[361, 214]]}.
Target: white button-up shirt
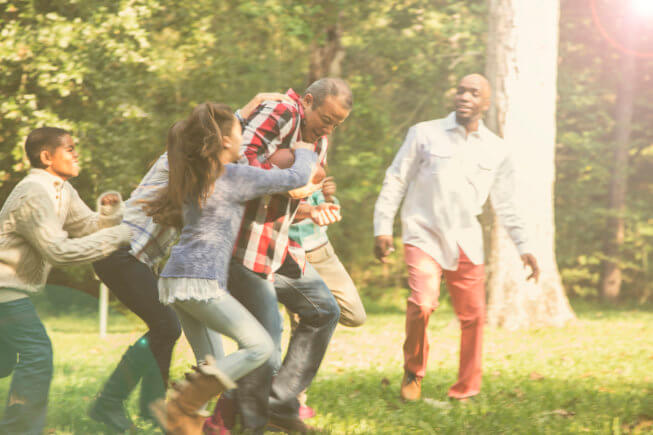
{"points": [[446, 176]]}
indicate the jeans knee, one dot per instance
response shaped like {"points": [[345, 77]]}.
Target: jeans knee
{"points": [[263, 350], [8, 361], [38, 362], [332, 312]]}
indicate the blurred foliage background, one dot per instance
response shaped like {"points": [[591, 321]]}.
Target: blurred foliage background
{"points": [[118, 73]]}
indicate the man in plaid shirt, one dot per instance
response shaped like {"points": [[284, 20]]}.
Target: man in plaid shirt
{"points": [[267, 268]]}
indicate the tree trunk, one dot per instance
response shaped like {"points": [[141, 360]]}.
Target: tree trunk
{"points": [[611, 276], [328, 53], [522, 70]]}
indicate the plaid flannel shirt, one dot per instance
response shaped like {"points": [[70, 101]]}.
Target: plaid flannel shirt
{"points": [[150, 241], [263, 242]]}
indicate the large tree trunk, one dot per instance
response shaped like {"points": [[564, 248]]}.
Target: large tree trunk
{"points": [[611, 276], [327, 52], [522, 70]]}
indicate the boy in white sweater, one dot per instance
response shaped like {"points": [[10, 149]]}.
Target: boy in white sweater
{"points": [[43, 223]]}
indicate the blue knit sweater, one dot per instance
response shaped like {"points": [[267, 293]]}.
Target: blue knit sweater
{"points": [[208, 237]]}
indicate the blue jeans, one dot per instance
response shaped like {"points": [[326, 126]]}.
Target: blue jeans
{"points": [[258, 396], [204, 321], [22, 335]]}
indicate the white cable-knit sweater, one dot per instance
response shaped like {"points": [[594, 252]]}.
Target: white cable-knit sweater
{"points": [[43, 223]]}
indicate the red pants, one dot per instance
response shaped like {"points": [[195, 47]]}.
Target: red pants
{"points": [[467, 289]]}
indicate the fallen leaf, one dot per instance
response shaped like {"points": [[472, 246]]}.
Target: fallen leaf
{"points": [[535, 376], [437, 404], [559, 413], [563, 413]]}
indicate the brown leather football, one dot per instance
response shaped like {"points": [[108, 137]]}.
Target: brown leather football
{"points": [[282, 158]]}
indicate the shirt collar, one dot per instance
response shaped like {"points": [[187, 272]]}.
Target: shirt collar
{"points": [[297, 99], [321, 141], [450, 123], [48, 178]]}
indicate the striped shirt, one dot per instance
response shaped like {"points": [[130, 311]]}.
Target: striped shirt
{"points": [[150, 241]]}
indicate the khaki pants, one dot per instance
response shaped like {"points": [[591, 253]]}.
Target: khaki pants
{"points": [[328, 266]]}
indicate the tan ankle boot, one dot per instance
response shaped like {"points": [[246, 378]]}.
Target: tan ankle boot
{"points": [[411, 387], [181, 414]]}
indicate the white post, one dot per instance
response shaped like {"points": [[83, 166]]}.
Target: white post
{"points": [[103, 307]]}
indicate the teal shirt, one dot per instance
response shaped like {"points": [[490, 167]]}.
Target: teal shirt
{"points": [[306, 232]]}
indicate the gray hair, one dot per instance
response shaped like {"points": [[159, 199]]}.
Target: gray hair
{"points": [[330, 86]]}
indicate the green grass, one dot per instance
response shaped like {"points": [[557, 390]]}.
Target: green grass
{"points": [[594, 375]]}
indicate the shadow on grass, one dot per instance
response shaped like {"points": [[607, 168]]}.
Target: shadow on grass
{"points": [[368, 402]]}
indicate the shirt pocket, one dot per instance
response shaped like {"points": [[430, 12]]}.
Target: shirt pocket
{"points": [[438, 161], [481, 177]]}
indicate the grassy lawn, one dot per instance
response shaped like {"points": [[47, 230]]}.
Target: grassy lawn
{"points": [[594, 375]]}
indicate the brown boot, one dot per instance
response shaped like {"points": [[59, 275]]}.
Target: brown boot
{"points": [[411, 387], [181, 414]]}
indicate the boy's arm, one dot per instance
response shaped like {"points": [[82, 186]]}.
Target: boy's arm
{"points": [[81, 220], [38, 224]]}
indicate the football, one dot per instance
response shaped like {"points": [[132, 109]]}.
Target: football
{"points": [[282, 158]]}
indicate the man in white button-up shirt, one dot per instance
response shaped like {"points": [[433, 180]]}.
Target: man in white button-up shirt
{"points": [[445, 170]]}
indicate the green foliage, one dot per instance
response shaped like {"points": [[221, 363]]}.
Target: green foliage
{"points": [[119, 73], [587, 83]]}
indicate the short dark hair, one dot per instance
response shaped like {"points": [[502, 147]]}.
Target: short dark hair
{"points": [[43, 138], [330, 86]]}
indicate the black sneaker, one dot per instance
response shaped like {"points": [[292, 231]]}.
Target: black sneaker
{"points": [[112, 413]]}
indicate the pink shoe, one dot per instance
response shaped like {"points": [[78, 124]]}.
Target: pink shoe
{"points": [[223, 418], [306, 412], [211, 428]]}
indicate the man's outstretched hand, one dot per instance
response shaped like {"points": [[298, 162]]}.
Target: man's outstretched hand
{"points": [[530, 261], [325, 214], [383, 246]]}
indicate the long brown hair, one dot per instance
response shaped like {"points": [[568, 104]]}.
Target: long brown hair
{"points": [[194, 145]]}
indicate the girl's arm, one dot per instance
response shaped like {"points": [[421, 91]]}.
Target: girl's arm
{"points": [[253, 182]]}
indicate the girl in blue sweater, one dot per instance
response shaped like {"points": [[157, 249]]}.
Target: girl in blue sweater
{"points": [[206, 198]]}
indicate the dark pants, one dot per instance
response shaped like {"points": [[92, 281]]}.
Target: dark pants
{"points": [[258, 396], [135, 285], [26, 350]]}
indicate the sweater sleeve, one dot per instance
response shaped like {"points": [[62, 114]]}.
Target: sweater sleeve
{"points": [[81, 220], [254, 182], [38, 224]]}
